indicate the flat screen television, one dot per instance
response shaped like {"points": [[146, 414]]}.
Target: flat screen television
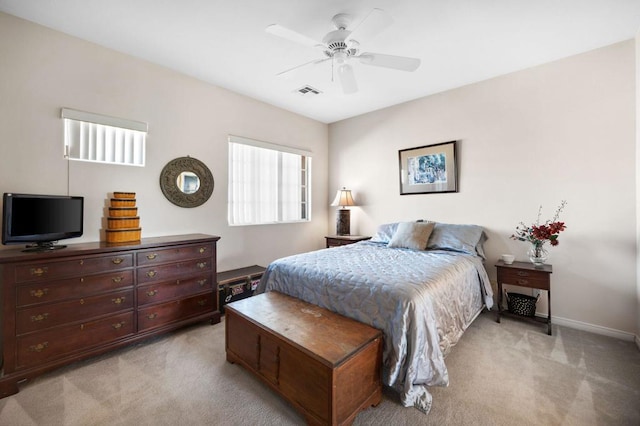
{"points": [[41, 221]]}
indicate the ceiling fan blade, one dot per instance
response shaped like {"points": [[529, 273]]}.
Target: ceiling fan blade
{"points": [[347, 79], [376, 21], [294, 36], [402, 63], [315, 61]]}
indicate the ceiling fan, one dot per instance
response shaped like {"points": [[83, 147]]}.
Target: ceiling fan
{"points": [[341, 46]]}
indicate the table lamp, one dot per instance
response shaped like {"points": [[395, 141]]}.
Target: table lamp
{"points": [[343, 218]]}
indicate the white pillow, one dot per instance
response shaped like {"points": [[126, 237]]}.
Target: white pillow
{"points": [[412, 235]]}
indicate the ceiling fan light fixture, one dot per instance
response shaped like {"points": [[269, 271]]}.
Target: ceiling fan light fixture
{"points": [[340, 57], [347, 79]]}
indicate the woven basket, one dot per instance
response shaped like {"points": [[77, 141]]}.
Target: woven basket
{"points": [[125, 195], [123, 235], [521, 304], [123, 211], [123, 202], [123, 222]]}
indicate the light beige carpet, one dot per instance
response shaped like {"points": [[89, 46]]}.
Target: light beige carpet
{"points": [[500, 374]]}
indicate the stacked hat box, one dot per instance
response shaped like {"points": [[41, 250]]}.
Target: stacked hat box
{"points": [[123, 222]]}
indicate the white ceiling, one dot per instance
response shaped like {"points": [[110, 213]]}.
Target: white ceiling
{"points": [[223, 42]]}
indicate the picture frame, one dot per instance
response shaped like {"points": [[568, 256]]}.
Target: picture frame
{"points": [[428, 169]]}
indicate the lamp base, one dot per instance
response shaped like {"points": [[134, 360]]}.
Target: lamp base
{"points": [[343, 222]]}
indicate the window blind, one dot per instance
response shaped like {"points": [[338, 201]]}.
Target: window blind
{"points": [[103, 139]]}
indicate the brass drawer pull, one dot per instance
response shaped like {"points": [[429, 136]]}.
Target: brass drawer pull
{"points": [[202, 302], [202, 265], [38, 272], [81, 262], [39, 347], [117, 279], [117, 260], [202, 282], [118, 325], [39, 292], [152, 316], [152, 256], [202, 250], [523, 274], [177, 282], [151, 274], [523, 282], [118, 300], [152, 293], [38, 318]]}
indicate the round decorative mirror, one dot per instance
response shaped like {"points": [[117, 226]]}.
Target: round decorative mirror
{"points": [[186, 182]]}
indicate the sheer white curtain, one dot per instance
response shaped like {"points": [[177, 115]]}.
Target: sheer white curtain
{"points": [[253, 185], [266, 185]]}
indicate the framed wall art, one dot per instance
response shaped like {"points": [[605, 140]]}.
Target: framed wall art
{"points": [[428, 169]]}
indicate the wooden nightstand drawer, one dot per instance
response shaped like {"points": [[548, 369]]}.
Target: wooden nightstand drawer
{"points": [[522, 278]]}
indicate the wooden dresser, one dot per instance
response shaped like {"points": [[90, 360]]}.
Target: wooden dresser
{"points": [[326, 365], [65, 305]]}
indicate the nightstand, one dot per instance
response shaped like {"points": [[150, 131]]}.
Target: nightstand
{"points": [[343, 240], [525, 274]]}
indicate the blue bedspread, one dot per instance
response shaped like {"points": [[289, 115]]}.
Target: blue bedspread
{"points": [[421, 300]]}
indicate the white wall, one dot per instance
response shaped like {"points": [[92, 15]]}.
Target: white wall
{"points": [[564, 130], [42, 70]]}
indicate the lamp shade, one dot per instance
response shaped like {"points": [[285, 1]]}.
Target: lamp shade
{"points": [[343, 198]]}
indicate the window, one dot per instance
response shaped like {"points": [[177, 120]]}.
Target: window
{"points": [[102, 139], [267, 183]]}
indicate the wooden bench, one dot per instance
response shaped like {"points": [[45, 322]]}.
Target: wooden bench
{"points": [[326, 365]]}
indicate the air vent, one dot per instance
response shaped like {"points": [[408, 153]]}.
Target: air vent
{"points": [[308, 91]]}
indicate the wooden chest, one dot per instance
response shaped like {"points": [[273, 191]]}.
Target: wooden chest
{"points": [[326, 365]]}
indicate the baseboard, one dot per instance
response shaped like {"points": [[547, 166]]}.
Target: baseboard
{"points": [[597, 329]]}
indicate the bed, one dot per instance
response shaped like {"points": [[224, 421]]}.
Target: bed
{"points": [[421, 283]]}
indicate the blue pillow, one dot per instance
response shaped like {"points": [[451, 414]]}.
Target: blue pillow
{"points": [[461, 238], [385, 232]]}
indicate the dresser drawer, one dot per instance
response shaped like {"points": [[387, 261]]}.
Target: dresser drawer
{"points": [[79, 266], [524, 278], [161, 292], [47, 316], [47, 345], [192, 251], [54, 291], [158, 315], [173, 271]]}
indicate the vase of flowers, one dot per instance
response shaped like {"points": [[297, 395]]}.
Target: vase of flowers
{"points": [[537, 254], [539, 234]]}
